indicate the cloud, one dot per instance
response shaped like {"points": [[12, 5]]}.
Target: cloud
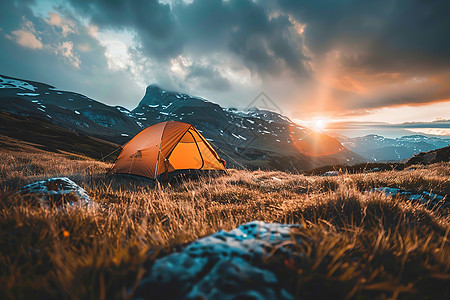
{"points": [[65, 25], [208, 78], [433, 124], [155, 26], [326, 57], [382, 35], [117, 54], [362, 125], [435, 128], [342, 52], [66, 50], [265, 44], [84, 47], [26, 37], [243, 28], [369, 55], [73, 60]]}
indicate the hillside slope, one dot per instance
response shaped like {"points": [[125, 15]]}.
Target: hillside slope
{"points": [[431, 157], [27, 133]]}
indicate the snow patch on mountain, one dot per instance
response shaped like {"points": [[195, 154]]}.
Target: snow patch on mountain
{"points": [[7, 83], [123, 110], [28, 94]]}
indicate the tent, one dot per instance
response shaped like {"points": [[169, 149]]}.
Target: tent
{"points": [[167, 148]]}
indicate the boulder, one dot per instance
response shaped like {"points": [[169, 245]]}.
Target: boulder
{"points": [[422, 196], [224, 265], [330, 174], [58, 191]]}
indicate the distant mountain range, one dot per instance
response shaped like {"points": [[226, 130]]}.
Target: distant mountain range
{"points": [[253, 138], [377, 148]]}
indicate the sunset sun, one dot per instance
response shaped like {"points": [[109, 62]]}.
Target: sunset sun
{"points": [[319, 124]]}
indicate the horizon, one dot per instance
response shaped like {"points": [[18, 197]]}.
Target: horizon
{"points": [[349, 68]]}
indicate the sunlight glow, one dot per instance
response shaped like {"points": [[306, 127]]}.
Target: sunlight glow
{"points": [[319, 125], [314, 143]]}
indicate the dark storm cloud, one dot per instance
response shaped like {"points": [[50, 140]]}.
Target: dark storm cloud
{"points": [[281, 45], [385, 35], [404, 94], [11, 15], [73, 60], [266, 45], [407, 37], [270, 49], [153, 22], [208, 78]]}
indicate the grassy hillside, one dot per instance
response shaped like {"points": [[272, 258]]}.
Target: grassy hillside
{"points": [[355, 244], [430, 157], [32, 134]]}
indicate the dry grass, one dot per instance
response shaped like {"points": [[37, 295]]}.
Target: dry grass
{"points": [[355, 244]]}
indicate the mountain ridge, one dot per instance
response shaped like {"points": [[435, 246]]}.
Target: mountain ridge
{"points": [[431, 157], [253, 138]]}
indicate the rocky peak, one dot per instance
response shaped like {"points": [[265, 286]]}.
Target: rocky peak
{"points": [[154, 94]]}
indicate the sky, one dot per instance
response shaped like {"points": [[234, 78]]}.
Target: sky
{"points": [[354, 67]]}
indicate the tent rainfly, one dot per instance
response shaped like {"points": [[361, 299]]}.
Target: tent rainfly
{"points": [[167, 148]]}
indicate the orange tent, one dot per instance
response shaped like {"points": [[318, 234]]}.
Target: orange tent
{"points": [[164, 148]]}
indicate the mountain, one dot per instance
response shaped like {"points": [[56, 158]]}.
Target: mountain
{"points": [[67, 109], [431, 157], [379, 148], [253, 138]]}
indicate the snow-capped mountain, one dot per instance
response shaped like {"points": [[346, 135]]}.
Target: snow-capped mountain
{"points": [[67, 109], [379, 148], [254, 138]]}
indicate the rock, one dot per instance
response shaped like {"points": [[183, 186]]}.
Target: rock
{"points": [[58, 191], [224, 265], [330, 174], [424, 197]]}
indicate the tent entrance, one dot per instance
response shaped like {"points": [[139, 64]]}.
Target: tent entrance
{"points": [[187, 153]]}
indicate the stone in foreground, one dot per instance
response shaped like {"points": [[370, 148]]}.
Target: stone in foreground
{"points": [[422, 196], [224, 265], [58, 191], [330, 174]]}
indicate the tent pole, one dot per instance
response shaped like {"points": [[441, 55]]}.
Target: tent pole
{"points": [[159, 151], [157, 162]]}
